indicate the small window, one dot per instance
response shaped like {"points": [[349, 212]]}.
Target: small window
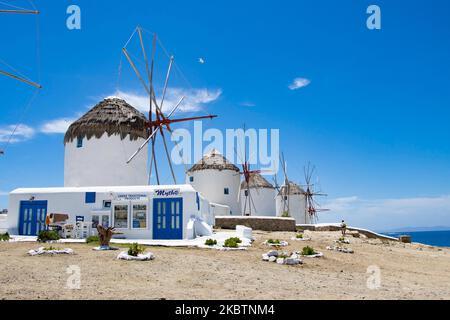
{"points": [[90, 197], [246, 193], [79, 141], [139, 216], [191, 179], [106, 204], [226, 191], [121, 216]]}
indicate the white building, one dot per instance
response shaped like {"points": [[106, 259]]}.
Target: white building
{"points": [[98, 144], [217, 180], [100, 187], [291, 201], [138, 212], [262, 195]]}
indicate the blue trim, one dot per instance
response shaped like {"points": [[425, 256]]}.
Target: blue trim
{"points": [[34, 223], [90, 197], [163, 230]]}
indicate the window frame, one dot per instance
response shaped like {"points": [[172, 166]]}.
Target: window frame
{"points": [[226, 191], [80, 141], [131, 212], [113, 214]]}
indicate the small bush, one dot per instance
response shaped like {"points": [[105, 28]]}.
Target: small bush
{"points": [[341, 239], [271, 241], [51, 248], [48, 235], [5, 237], [210, 242], [299, 236], [308, 251], [135, 249], [232, 242], [91, 239], [285, 214]]}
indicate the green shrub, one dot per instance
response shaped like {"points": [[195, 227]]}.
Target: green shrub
{"points": [[232, 242], [285, 214], [4, 237], [299, 236], [91, 239], [48, 235], [271, 241], [135, 249], [210, 242], [341, 239], [308, 251], [51, 248]]}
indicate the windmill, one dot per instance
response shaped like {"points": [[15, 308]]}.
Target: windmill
{"points": [[284, 190], [312, 206], [17, 76], [160, 122]]}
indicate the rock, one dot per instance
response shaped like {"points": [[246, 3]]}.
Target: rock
{"points": [[272, 253], [292, 261], [294, 256], [272, 259], [280, 260], [265, 257]]}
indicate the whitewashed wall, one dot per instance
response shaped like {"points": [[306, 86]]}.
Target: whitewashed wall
{"points": [[102, 162], [263, 199], [297, 208], [211, 183]]}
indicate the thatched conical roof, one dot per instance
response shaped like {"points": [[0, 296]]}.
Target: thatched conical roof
{"points": [[293, 189], [256, 181], [213, 160], [111, 116]]}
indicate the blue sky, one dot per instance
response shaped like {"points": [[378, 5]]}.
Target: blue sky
{"points": [[373, 119]]}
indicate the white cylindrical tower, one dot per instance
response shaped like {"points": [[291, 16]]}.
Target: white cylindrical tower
{"points": [[98, 145], [262, 195], [291, 201], [217, 180]]}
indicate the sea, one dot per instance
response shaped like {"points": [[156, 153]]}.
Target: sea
{"points": [[432, 238]]}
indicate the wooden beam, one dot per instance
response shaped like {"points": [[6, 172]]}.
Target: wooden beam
{"points": [[34, 84]]}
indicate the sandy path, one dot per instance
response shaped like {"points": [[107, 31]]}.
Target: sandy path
{"points": [[407, 272]]}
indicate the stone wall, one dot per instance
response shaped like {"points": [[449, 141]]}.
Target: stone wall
{"points": [[256, 223]]}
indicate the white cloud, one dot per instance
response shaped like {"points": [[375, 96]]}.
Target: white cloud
{"points": [[194, 99], [385, 214], [57, 125], [299, 83], [22, 133], [248, 104]]}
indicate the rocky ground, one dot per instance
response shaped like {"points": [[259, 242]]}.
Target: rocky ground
{"points": [[407, 271]]}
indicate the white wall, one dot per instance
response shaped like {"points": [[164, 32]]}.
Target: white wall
{"points": [[297, 208], [3, 223], [102, 162], [73, 203], [263, 199], [211, 183]]}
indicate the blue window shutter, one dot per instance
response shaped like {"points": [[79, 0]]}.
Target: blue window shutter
{"points": [[79, 141], [198, 201], [90, 197]]}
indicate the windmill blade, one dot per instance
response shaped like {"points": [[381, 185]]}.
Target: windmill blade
{"points": [[176, 106], [141, 147], [10, 75], [130, 61], [167, 154], [166, 82]]}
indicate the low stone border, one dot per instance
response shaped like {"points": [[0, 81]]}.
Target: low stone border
{"points": [[104, 248], [340, 249], [345, 241], [281, 244], [41, 250], [274, 256], [140, 257], [300, 239], [217, 247], [316, 255]]}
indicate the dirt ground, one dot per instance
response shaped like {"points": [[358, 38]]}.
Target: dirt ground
{"points": [[407, 271]]}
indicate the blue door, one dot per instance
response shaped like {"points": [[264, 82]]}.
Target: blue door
{"points": [[32, 217], [168, 218]]}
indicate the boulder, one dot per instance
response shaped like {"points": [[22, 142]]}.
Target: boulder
{"points": [[265, 257], [272, 259], [292, 261], [280, 260], [273, 253]]}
